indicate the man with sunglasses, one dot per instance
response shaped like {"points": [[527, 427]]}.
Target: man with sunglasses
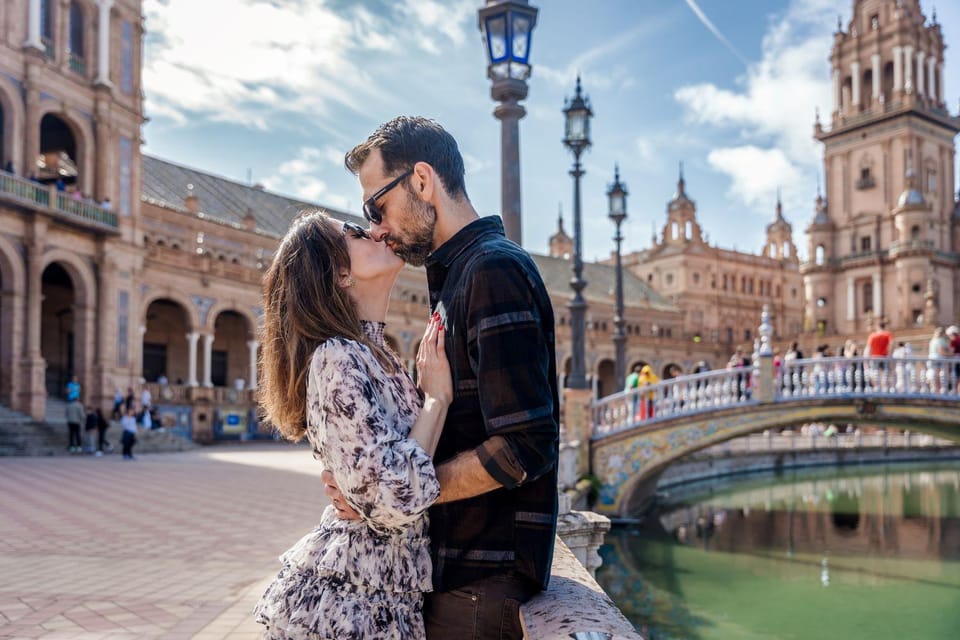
{"points": [[492, 529]]}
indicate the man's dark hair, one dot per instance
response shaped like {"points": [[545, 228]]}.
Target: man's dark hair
{"points": [[406, 140], [883, 324]]}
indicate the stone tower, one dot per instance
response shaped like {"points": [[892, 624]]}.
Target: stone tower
{"points": [[682, 227], [561, 245], [780, 237], [887, 224]]}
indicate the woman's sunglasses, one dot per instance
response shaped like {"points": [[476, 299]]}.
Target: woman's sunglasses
{"points": [[371, 211], [355, 230]]}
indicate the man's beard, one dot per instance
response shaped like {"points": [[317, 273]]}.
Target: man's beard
{"points": [[414, 247]]}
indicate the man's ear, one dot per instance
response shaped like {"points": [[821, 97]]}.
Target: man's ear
{"points": [[425, 181]]}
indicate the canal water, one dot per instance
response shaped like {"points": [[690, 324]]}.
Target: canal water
{"points": [[869, 552]]}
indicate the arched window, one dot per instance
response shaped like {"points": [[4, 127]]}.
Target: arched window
{"points": [[688, 230], [820, 254], [786, 249], [867, 302], [915, 232], [674, 231]]}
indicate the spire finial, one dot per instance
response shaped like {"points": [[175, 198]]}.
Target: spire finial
{"points": [[616, 172], [579, 92], [839, 23], [560, 217], [779, 205], [681, 183], [816, 115], [933, 18]]}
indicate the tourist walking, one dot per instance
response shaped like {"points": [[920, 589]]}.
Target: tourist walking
{"points": [[75, 418], [631, 383], [117, 412], [493, 529], [938, 349], [102, 425], [329, 376], [129, 437], [73, 389], [90, 432]]}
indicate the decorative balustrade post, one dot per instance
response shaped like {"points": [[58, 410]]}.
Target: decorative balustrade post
{"points": [[764, 386]]}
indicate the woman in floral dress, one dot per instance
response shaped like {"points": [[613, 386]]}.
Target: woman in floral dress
{"points": [[328, 376]]}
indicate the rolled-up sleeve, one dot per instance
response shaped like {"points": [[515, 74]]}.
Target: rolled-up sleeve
{"points": [[387, 478], [510, 354]]}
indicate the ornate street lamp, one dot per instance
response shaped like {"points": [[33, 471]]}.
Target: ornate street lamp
{"points": [[577, 139], [507, 26], [617, 196]]}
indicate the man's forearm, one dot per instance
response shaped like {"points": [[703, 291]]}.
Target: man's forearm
{"points": [[464, 477]]}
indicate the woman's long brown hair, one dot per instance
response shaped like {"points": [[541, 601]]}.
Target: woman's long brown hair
{"points": [[304, 305]]}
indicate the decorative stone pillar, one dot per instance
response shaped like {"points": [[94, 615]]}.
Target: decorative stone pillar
{"points": [[908, 68], [583, 533], [855, 78], [253, 345], [851, 300], [208, 359], [103, 42], [897, 69], [192, 338], [875, 73], [921, 72], [931, 76], [943, 91], [33, 26], [31, 120], [577, 423], [877, 296], [33, 391], [837, 107]]}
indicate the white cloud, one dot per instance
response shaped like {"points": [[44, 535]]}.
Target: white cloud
{"points": [[757, 174], [300, 176], [301, 56], [774, 111]]}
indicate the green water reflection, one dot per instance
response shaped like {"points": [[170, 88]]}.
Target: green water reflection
{"points": [[867, 553]]}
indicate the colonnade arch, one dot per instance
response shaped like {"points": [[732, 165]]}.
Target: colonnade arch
{"points": [[12, 287]]}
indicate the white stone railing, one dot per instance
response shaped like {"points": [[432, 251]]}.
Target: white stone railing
{"points": [[671, 398], [824, 377], [48, 198], [800, 379]]}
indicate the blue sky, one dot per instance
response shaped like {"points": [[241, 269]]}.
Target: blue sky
{"points": [[281, 89]]}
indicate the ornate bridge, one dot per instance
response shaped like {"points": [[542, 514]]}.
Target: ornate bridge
{"points": [[636, 435]]}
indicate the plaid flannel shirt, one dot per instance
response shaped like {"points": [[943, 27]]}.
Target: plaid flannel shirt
{"points": [[500, 344]]}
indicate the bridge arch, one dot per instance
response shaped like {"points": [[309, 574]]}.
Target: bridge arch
{"points": [[628, 464]]}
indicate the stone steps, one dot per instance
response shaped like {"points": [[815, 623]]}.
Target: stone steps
{"points": [[21, 436]]}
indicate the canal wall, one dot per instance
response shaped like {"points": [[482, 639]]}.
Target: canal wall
{"points": [[704, 466]]}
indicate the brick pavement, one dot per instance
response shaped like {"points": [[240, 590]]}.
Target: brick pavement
{"points": [[176, 545]]}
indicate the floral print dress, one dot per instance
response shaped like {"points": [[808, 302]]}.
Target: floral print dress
{"points": [[354, 579]]}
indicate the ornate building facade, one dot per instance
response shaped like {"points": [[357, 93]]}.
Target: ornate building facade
{"points": [[885, 240], [720, 293]]}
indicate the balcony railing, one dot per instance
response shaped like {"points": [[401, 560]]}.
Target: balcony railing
{"points": [[911, 245], [47, 198], [78, 65]]}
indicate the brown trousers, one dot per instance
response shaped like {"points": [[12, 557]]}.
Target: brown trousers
{"points": [[488, 609]]}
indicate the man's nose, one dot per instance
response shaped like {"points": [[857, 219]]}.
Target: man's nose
{"points": [[377, 231]]}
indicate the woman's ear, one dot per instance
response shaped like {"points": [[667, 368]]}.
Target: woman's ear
{"points": [[346, 280]]}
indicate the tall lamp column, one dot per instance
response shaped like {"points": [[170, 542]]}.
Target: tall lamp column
{"points": [[507, 26], [577, 139], [617, 196]]}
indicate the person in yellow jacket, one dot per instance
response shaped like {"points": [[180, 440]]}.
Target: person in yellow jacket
{"points": [[647, 378]]}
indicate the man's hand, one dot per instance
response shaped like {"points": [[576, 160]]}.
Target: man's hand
{"points": [[344, 510]]}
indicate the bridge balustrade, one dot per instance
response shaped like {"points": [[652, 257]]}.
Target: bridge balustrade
{"points": [[818, 377], [671, 398], [792, 380]]}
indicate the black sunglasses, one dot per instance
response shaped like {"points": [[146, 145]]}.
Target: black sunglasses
{"points": [[371, 211], [355, 229]]}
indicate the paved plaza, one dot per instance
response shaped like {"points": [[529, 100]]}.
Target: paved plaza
{"points": [[176, 545]]}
